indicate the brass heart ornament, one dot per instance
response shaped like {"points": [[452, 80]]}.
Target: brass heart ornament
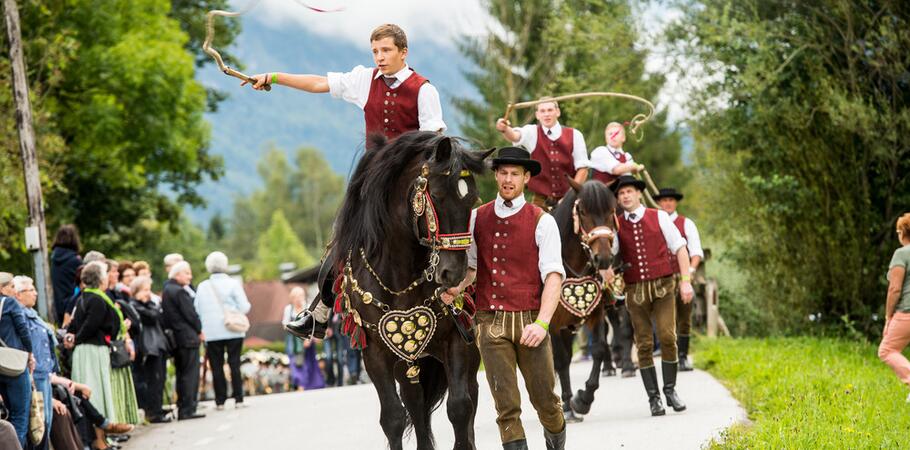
{"points": [[580, 295], [407, 333]]}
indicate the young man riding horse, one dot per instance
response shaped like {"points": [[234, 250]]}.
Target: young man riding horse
{"points": [[516, 258], [648, 240], [394, 98]]}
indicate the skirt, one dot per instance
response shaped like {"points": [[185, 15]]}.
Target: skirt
{"points": [[124, 396], [92, 367]]}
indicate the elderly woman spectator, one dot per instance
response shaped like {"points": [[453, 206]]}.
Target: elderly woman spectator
{"points": [[151, 350], [16, 391], [180, 316], [896, 334], [64, 262], [43, 344], [304, 368], [216, 297], [127, 274]]}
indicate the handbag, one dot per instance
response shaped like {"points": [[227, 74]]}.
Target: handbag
{"points": [[12, 360], [120, 357], [36, 417], [234, 321]]}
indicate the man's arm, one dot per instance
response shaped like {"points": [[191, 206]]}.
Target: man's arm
{"points": [[580, 157], [677, 245], [693, 245], [895, 282], [511, 134], [429, 109], [316, 84]]}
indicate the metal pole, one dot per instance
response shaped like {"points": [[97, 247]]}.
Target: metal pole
{"points": [[29, 161]]}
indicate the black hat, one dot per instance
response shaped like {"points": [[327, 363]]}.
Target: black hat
{"points": [[628, 180], [516, 156], [668, 193]]}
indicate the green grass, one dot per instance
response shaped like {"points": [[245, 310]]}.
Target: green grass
{"points": [[808, 393]]}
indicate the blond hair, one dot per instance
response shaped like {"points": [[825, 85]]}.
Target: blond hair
{"points": [[547, 99], [390, 30], [903, 225]]}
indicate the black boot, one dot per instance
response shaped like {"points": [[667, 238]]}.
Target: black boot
{"points": [[520, 444], [555, 441], [668, 370], [306, 326], [683, 344], [649, 378]]}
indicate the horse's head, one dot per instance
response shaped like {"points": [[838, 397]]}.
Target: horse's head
{"points": [[441, 199], [594, 222]]}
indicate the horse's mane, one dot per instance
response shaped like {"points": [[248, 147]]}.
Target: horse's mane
{"points": [[594, 197], [367, 215]]}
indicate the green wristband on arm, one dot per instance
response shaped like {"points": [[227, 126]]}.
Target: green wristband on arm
{"points": [[274, 79], [542, 324]]}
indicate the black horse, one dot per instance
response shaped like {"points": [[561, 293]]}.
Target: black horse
{"points": [[585, 217], [400, 237]]}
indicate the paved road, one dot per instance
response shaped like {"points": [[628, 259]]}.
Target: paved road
{"points": [[348, 418]]}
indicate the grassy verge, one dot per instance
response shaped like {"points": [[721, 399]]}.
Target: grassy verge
{"points": [[804, 393]]}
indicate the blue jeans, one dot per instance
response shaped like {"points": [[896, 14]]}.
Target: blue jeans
{"points": [[44, 386], [17, 395]]}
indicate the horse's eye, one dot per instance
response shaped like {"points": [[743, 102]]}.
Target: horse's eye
{"points": [[462, 188]]}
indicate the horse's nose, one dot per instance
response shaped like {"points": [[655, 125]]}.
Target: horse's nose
{"points": [[603, 262], [448, 277]]}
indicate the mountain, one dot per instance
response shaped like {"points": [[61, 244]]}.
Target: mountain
{"points": [[249, 121]]}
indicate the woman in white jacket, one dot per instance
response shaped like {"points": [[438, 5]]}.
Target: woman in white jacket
{"points": [[215, 296]]}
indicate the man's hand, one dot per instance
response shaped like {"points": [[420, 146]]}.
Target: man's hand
{"points": [[686, 291], [59, 407], [533, 335], [262, 80], [69, 341], [32, 363], [449, 295], [84, 389], [127, 323], [502, 125], [638, 168], [608, 276]]}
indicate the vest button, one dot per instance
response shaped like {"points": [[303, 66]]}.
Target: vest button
{"points": [[492, 307], [386, 102], [494, 284], [494, 271], [495, 259], [507, 222], [395, 95], [385, 111], [499, 222], [497, 234], [388, 94], [495, 246], [494, 295], [386, 120], [500, 306]]}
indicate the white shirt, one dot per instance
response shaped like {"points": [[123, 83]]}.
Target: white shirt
{"points": [[605, 159], [528, 140], [546, 235], [354, 87], [693, 243], [672, 236]]}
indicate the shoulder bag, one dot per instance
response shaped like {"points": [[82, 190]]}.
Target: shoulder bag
{"points": [[234, 320]]}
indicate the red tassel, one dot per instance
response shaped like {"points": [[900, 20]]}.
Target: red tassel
{"points": [[339, 300]]}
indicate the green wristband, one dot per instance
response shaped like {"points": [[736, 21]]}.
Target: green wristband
{"points": [[542, 324], [274, 78]]}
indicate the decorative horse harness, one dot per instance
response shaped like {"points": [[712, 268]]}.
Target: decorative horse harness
{"points": [[582, 293], [408, 333]]}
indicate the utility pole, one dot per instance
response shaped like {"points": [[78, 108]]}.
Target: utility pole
{"points": [[35, 233]]}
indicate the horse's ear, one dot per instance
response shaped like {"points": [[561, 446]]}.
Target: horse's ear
{"points": [[443, 150], [576, 186], [487, 153]]}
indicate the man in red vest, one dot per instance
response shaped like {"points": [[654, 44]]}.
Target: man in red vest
{"points": [[394, 98], [647, 238], [611, 161], [559, 150], [668, 199], [516, 258]]}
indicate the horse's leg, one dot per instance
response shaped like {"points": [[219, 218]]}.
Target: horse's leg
{"points": [[581, 403], [412, 394], [608, 370], [625, 334], [562, 357], [462, 363], [392, 416]]}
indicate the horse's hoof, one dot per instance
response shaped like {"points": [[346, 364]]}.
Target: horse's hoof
{"points": [[611, 372], [578, 405], [571, 417], [628, 373]]}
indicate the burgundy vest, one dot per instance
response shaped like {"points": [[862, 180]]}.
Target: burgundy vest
{"points": [[643, 246], [508, 277], [680, 223], [605, 177], [555, 158], [392, 112]]}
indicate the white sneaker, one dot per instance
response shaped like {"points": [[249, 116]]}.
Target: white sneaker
{"points": [[219, 407], [240, 405]]}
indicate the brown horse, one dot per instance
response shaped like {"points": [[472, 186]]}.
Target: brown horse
{"points": [[400, 239], [585, 217]]}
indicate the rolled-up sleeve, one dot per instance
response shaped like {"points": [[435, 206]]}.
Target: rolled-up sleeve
{"points": [[528, 138], [693, 239], [549, 247], [352, 87], [472, 250], [579, 150], [674, 239], [429, 109]]}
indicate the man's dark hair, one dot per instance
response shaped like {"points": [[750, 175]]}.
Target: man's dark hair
{"points": [[68, 237]]}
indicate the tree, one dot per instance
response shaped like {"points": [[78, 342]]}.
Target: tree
{"points": [[279, 244], [804, 136]]}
